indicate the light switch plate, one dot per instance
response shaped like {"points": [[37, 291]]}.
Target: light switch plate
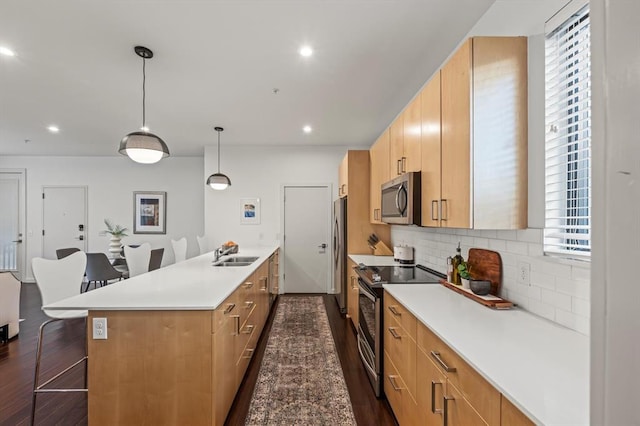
{"points": [[100, 329]]}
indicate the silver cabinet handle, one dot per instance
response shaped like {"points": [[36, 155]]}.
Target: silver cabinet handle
{"points": [[432, 203], [434, 410], [403, 169], [445, 417], [248, 284], [394, 333], [399, 167], [229, 308], [444, 206], [248, 329], [392, 379], [249, 304], [250, 354], [436, 356], [394, 311], [263, 280], [236, 330]]}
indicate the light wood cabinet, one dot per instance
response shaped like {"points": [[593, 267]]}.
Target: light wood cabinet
{"points": [[484, 135], [404, 140], [379, 171], [512, 416], [352, 297], [186, 365], [430, 390], [343, 177], [430, 154]]}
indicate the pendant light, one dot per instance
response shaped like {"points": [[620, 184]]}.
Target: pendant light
{"points": [[143, 146], [218, 180]]}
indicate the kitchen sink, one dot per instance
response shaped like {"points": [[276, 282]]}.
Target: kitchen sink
{"points": [[241, 259], [236, 261], [227, 263]]}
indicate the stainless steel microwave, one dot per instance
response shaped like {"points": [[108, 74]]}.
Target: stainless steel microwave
{"points": [[401, 200]]}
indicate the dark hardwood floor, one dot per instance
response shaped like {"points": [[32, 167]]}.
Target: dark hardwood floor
{"points": [[64, 344]]}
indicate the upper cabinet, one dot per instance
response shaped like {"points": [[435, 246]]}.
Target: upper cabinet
{"points": [[404, 140], [431, 178], [343, 177], [379, 161], [483, 145]]}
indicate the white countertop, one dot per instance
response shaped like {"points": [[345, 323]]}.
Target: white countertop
{"points": [[542, 367], [371, 260], [190, 285]]}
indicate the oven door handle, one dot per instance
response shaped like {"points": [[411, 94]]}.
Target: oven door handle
{"points": [[365, 358], [366, 292]]}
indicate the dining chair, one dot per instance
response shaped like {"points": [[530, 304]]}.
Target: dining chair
{"points": [[180, 249], [156, 259], [100, 270], [57, 280], [203, 244], [138, 259], [64, 252]]}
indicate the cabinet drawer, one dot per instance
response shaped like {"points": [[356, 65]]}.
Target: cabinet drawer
{"points": [[400, 314], [227, 308], [393, 387], [458, 411], [430, 388], [480, 393], [401, 348]]}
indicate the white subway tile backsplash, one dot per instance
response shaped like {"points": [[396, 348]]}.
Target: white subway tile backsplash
{"points": [[559, 300], [559, 291], [517, 247]]}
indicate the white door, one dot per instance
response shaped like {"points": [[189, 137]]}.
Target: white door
{"points": [[12, 221], [65, 219], [307, 219]]}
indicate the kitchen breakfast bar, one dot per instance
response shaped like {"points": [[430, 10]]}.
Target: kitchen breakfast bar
{"points": [[177, 340]]}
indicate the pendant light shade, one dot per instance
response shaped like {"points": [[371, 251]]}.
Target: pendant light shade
{"points": [[218, 180], [142, 146]]}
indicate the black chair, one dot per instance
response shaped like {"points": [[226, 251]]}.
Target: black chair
{"points": [[156, 259], [64, 252], [100, 270]]}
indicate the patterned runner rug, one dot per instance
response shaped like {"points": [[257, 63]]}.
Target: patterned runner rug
{"points": [[300, 380]]}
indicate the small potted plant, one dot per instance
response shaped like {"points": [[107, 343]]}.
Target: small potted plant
{"points": [[464, 270], [116, 232]]}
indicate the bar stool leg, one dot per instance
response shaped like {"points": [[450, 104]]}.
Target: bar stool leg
{"points": [[37, 372]]}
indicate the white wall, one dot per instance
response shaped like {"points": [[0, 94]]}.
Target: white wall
{"points": [[615, 327], [257, 171], [110, 184]]}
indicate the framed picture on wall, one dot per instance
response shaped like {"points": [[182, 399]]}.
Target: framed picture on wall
{"points": [[149, 212], [250, 211]]}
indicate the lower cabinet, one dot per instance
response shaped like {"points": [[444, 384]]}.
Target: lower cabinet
{"points": [[427, 383], [352, 294], [175, 367]]}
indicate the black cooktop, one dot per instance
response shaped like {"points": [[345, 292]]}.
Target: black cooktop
{"points": [[402, 274]]}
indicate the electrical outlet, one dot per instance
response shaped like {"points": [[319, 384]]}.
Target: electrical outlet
{"points": [[524, 271], [100, 329]]}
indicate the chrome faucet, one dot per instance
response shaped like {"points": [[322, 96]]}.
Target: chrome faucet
{"points": [[216, 254]]}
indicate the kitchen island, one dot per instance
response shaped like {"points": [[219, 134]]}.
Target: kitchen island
{"points": [[178, 340]]}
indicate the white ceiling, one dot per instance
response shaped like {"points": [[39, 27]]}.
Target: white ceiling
{"points": [[217, 63]]}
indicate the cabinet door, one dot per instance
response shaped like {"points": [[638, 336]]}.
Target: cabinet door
{"points": [[431, 139], [352, 294], [511, 416], [224, 377], [411, 159], [456, 134], [396, 146], [457, 410], [343, 176], [379, 171], [430, 384]]}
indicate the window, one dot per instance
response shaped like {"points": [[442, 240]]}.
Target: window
{"points": [[568, 137]]}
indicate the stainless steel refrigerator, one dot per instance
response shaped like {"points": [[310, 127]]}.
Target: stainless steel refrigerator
{"points": [[340, 252]]}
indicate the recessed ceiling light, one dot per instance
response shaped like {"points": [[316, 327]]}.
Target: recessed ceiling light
{"points": [[6, 51], [307, 129], [306, 51], [53, 129]]}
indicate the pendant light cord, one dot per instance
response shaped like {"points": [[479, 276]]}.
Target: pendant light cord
{"points": [[218, 151], [144, 94]]}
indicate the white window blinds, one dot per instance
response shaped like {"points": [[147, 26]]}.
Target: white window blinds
{"points": [[568, 138]]}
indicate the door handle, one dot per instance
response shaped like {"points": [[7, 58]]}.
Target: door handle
{"points": [[16, 241], [323, 246], [81, 237]]}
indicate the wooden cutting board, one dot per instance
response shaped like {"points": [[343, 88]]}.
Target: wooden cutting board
{"points": [[486, 265]]}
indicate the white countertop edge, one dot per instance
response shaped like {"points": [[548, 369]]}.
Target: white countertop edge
{"points": [[517, 400], [194, 284]]}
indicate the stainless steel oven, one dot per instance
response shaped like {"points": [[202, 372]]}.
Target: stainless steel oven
{"points": [[370, 296], [369, 335]]}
